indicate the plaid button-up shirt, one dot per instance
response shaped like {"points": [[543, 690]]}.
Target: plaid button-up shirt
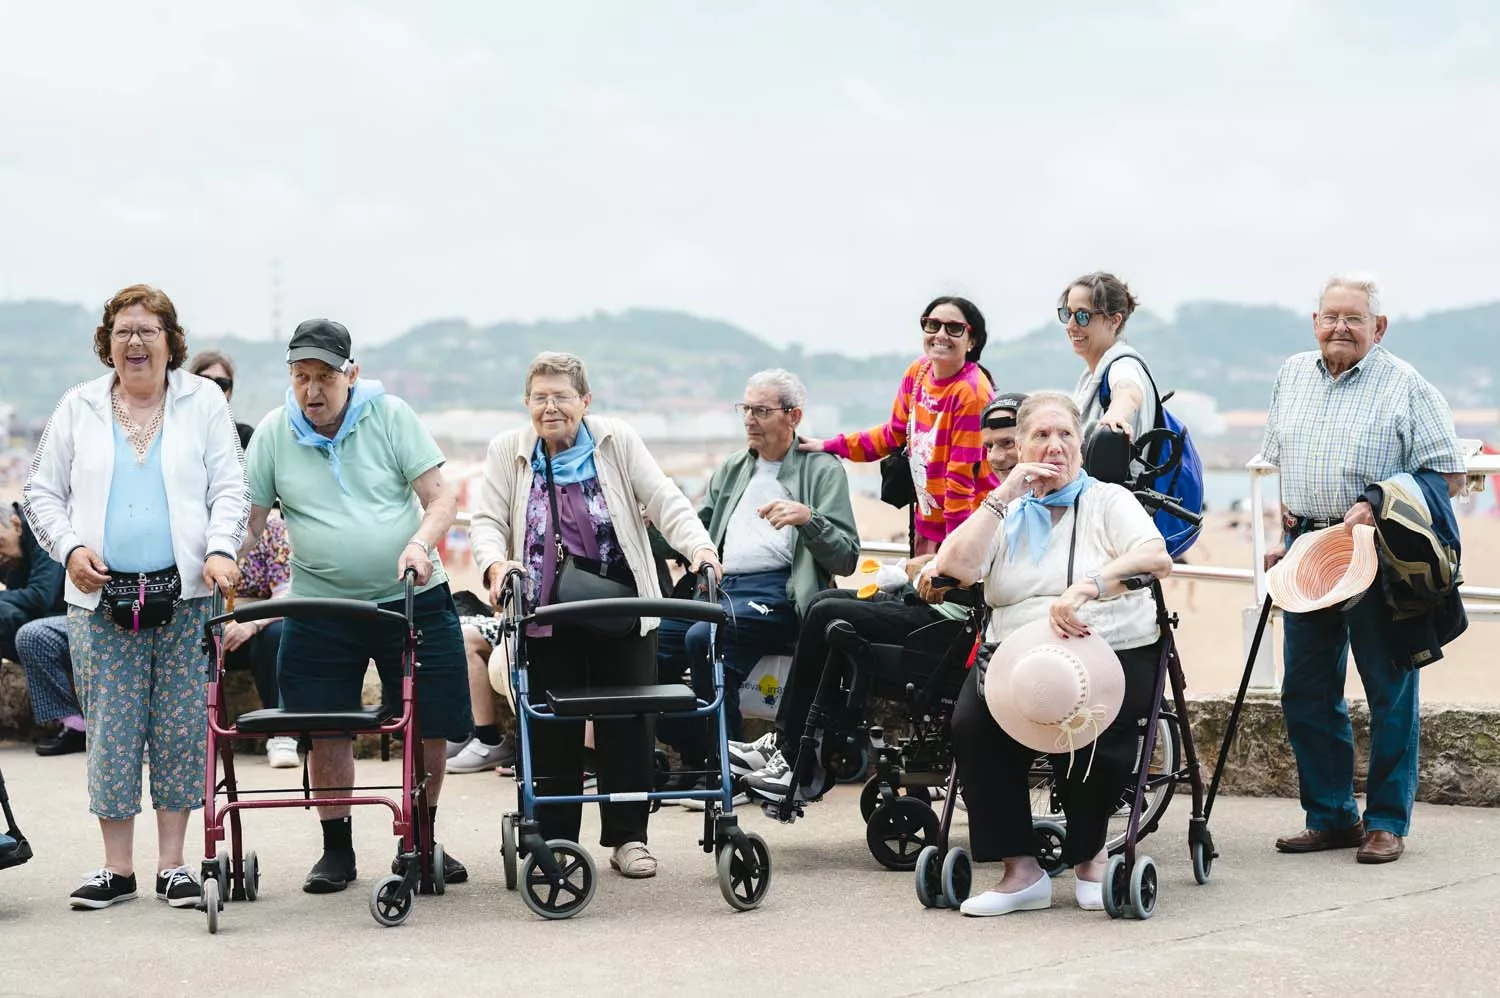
{"points": [[1333, 437]]}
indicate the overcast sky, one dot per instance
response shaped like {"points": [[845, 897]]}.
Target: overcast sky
{"points": [[814, 172]]}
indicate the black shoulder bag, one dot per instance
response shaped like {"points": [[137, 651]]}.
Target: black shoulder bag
{"points": [[142, 599], [576, 579]]}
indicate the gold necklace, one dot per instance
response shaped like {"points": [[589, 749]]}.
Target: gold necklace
{"points": [[140, 436]]}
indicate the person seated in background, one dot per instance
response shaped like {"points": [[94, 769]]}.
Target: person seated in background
{"points": [[265, 573], [42, 650], [485, 748], [33, 591], [783, 521], [884, 618]]}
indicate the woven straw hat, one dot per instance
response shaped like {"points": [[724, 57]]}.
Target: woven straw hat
{"points": [[1325, 568]]}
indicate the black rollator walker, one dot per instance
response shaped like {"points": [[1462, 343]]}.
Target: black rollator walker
{"points": [[557, 877], [944, 875]]}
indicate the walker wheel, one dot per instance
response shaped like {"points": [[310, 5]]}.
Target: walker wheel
{"points": [[223, 860], [898, 830], [568, 898], [508, 849], [745, 872], [870, 797], [1203, 861], [390, 901], [1049, 837], [958, 877], [1143, 887], [930, 878], [1116, 886], [252, 876], [439, 857], [212, 904]]}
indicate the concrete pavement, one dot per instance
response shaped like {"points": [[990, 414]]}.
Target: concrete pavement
{"points": [[833, 923]]}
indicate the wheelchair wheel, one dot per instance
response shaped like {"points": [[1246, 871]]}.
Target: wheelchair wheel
{"points": [[847, 757], [869, 797], [1116, 887], [958, 877], [1049, 837], [508, 849], [930, 878], [744, 872], [572, 895], [898, 831], [1166, 761], [1203, 862], [1143, 887], [252, 876], [390, 901], [212, 904]]}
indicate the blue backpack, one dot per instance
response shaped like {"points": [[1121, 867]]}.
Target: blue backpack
{"points": [[1172, 465]]}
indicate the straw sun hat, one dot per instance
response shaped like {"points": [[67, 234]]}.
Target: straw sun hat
{"points": [[1053, 694], [1325, 568]]}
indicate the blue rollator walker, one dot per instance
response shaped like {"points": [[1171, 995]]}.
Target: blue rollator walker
{"points": [[557, 877]]}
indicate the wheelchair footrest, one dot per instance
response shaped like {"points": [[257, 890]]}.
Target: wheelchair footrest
{"points": [[654, 699]]}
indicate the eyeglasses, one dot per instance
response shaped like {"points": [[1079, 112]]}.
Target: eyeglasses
{"points": [[226, 385], [547, 401], [1355, 322], [148, 334], [760, 412], [953, 330], [1081, 316]]}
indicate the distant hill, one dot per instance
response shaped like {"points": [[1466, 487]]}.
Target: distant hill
{"points": [[658, 359]]}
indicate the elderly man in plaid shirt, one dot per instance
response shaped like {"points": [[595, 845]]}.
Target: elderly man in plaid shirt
{"points": [[1342, 417]]}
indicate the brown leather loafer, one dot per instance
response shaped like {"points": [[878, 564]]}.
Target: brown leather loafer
{"points": [[1315, 840], [1381, 847]]}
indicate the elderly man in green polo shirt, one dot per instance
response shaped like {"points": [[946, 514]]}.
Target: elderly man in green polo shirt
{"points": [[362, 492]]}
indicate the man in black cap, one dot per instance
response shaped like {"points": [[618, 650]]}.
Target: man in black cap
{"points": [[345, 460], [884, 618]]}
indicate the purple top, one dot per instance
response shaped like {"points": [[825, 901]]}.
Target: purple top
{"points": [[586, 532]]}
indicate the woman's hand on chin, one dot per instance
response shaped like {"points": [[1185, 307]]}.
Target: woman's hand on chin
{"points": [[1030, 476]]}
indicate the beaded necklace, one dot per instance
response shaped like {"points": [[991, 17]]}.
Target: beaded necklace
{"points": [[140, 436]]}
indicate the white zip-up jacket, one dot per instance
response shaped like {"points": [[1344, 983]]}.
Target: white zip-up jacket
{"points": [[208, 496], [630, 479]]}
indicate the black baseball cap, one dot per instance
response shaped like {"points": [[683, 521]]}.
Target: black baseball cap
{"points": [[1010, 401], [320, 339]]}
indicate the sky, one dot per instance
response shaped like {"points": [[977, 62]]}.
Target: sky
{"points": [[813, 172]]}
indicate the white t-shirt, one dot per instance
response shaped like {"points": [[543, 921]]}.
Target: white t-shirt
{"points": [[1129, 371], [1110, 523], [751, 544]]}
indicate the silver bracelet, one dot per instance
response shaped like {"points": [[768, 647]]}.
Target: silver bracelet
{"points": [[994, 507]]}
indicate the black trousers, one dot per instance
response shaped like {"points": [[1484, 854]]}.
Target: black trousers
{"points": [[993, 770], [572, 658], [885, 618], [258, 655]]}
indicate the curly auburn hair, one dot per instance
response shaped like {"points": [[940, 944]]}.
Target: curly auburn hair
{"points": [[157, 303]]}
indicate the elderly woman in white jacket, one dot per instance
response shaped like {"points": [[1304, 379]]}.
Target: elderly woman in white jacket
{"points": [[599, 477], [138, 484]]}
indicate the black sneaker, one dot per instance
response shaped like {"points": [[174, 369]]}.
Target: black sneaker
{"points": [[331, 873], [178, 887], [103, 889]]}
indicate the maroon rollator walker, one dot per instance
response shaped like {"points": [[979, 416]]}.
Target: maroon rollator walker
{"points": [[234, 874]]}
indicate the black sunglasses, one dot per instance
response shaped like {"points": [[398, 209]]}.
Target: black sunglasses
{"points": [[1082, 316], [226, 385]]}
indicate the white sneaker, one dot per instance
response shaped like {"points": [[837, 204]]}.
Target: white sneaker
{"points": [[747, 757], [477, 757], [456, 747], [281, 752]]}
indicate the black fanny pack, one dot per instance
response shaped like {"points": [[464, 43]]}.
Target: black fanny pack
{"points": [[142, 599]]}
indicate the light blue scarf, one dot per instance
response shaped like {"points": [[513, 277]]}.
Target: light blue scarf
{"points": [[1032, 518], [574, 465], [303, 432]]}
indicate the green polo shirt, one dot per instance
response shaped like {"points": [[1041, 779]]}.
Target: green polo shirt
{"points": [[345, 541]]}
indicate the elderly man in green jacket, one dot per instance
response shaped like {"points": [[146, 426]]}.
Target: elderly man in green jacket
{"points": [[784, 527]]}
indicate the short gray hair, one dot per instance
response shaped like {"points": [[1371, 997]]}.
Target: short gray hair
{"points": [[549, 362], [1353, 282], [790, 391], [1037, 401]]}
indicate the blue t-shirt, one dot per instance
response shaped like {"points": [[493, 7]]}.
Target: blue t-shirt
{"points": [[137, 522]]}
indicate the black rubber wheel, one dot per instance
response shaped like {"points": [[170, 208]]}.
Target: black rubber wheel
{"points": [[1049, 837], [958, 877], [1203, 862], [572, 895], [508, 849], [439, 857], [252, 876], [869, 797], [1116, 887], [390, 901], [929, 877], [899, 830], [745, 872], [1143, 887]]}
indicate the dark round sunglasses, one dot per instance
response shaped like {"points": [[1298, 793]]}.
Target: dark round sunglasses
{"points": [[226, 385], [1082, 316]]}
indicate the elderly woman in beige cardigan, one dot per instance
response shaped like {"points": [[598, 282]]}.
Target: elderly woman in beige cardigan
{"points": [[600, 478]]}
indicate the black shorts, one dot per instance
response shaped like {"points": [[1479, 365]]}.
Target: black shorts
{"points": [[322, 664]]}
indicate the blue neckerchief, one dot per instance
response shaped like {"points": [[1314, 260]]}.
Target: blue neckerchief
{"points": [[574, 465], [303, 432], [1033, 518]]}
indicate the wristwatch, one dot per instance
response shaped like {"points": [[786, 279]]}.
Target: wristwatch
{"points": [[1098, 580]]}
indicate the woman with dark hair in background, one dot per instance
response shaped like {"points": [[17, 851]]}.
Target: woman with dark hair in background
{"points": [[936, 418], [219, 369]]}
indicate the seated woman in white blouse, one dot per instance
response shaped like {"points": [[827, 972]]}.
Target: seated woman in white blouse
{"points": [[1053, 543]]}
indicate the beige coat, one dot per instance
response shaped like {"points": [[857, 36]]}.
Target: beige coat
{"points": [[631, 480]]}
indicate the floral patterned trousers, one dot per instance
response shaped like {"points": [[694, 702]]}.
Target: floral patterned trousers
{"points": [[138, 690]]}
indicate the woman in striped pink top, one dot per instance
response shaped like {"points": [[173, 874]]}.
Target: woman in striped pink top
{"points": [[936, 418]]}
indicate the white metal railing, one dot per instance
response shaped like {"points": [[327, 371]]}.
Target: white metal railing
{"points": [[1480, 602]]}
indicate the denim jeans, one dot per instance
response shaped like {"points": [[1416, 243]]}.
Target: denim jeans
{"points": [[1316, 650]]}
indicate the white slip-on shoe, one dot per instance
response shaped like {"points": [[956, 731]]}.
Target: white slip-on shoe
{"points": [[1090, 894], [1034, 898], [281, 752]]}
